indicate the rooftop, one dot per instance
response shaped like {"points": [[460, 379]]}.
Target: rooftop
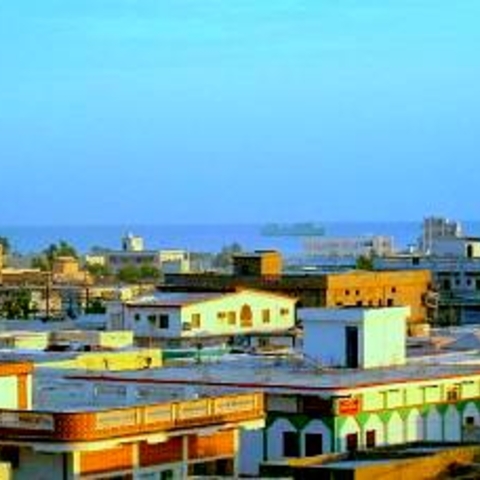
{"points": [[294, 374], [173, 299]]}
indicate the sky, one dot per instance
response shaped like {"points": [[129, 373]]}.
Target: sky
{"points": [[238, 111]]}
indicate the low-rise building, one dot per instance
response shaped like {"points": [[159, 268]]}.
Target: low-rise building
{"points": [[82, 429], [350, 337], [353, 288], [198, 316]]}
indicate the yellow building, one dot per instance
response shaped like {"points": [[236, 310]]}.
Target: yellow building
{"points": [[380, 289], [259, 263]]}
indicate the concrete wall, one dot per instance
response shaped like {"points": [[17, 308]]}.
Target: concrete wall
{"points": [[455, 247], [127, 360], [143, 327], [381, 335], [9, 392], [219, 316], [216, 315], [384, 338]]}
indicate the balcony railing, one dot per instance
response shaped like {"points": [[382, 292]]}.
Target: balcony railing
{"points": [[103, 424]]}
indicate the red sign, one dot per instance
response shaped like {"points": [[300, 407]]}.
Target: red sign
{"points": [[348, 406]]}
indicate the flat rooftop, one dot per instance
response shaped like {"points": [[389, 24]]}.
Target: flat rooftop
{"points": [[290, 374], [172, 299]]}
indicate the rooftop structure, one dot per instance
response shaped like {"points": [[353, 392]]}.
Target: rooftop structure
{"points": [[350, 337], [435, 228]]}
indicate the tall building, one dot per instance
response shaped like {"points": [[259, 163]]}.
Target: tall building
{"points": [[435, 228]]}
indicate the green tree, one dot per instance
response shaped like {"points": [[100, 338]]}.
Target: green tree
{"points": [[6, 246], [98, 270], [18, 305], [129, 274], [149, 272], [364, 262], [95, 306], [40, 262]]}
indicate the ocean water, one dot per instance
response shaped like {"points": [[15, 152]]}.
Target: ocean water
{"points": [[203, 238]]}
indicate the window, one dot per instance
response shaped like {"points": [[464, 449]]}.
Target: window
{"points": [[359, 303], [266, 315], [221, 315], [196, 320], [347, 292], [291, 444], [370, 439], [166, 475], [352, 442], [389, 302], [394, 289], [163, 321], [152, 319], [284, 311], [246, 316], [453, 393], [232, 318], [137, 317], [313, 444], [470, 421]]}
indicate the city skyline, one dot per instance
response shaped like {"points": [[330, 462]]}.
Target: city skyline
{"points": [[238, 112]]}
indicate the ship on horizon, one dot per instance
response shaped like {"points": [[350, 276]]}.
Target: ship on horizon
{"points": [[302, 229]]}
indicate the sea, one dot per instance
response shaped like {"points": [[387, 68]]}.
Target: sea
{"points": [[204, 238]]}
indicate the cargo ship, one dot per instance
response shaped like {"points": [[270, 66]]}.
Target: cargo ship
{"points": [[305, 229]]}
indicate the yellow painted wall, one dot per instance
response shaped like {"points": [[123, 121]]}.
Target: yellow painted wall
{"points": [[360, 288], [130, 360]]}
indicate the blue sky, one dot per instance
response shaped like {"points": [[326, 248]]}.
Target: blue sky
{"points": [[214, 111]]}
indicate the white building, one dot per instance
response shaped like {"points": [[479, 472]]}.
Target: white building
{"points": [[351, 337], [377, 245], [463, 247], [195, 315], [435, 228]]}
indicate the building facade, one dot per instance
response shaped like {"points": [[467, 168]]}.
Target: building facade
{"points": [[201, 315], [63, 438]]}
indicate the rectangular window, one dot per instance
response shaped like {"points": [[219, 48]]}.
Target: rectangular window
{"points": [[291, 444], [137, 317], [196, 320], [266, 315], [352, 442], [470, 421], [163, 321], [453, 393], [152, 319], [284, 311], [313, 444], [166, 475], [370, 438], [232, 318]]}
